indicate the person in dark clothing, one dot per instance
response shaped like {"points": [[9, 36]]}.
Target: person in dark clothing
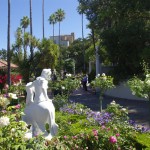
{"points": [[84, 82]]}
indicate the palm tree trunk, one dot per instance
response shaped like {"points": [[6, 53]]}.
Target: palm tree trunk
{"points": [[43, 16], [83, 46], [8, 47], [59, 47], [53, 32], [31, 48], [59, 34], [82, 28]]}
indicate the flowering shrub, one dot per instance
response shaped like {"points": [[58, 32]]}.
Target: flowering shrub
{"points": [[75, 108], [117, 111], [76, 131], [106, 130], [99, 118], [140, 88], [66, 86], [104, 83], [12, 130], [4, 101], [14, 79]]}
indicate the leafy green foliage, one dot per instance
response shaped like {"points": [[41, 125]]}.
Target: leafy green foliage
{"points": [[123, 31], [103, 82], [139, 87], [143, 140], [67, 85], [76, 51], [48, 54], [59, 101]]}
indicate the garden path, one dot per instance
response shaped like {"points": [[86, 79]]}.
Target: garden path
{"points": [[138, 109]]}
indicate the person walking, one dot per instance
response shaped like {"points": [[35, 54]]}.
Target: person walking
{"points": [[84, 82]]}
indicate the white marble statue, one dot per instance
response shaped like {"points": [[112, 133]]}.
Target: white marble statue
{"points": [[39, 108]]}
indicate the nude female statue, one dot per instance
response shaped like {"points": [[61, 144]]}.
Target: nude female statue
{"points": [[39, 109]]}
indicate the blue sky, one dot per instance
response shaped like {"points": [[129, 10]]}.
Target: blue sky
{"points": [[20, 8]]}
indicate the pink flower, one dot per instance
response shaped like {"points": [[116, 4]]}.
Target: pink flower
{"points": [[108, 129], [117, 134], [74, 137], [4, 111], [18, 106], [6, 86], [112, 139], [103, 127], [65, 137], [95, 132]]}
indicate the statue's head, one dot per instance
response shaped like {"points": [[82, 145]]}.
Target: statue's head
{"points": [[46, 73]]}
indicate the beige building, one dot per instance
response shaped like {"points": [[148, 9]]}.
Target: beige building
{"points": [[65, 40]]}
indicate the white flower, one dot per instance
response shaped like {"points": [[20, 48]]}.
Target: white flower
{"points": [[133, 93], [113, 103], [124, 109], [28, 136], [63, 88], [68, 75], [148, 82], [98, 75], [103, 74], [4, 121], [145, 95], [12, 95], [148, 76], [4, 101], [22, 113], [13, 130]]}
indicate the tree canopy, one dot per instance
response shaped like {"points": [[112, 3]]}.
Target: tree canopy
{"points": [[123, 27]]}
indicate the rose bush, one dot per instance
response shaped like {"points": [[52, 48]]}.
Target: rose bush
{"points": [[104, 83], [139, 87]]}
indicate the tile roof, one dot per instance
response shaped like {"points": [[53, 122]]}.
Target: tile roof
{"points": [[3, 64]]}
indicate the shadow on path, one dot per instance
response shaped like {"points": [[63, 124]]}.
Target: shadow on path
{"points": [[138, 109]]}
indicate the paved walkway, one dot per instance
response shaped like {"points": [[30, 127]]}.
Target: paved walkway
{"points": [[138, 109]]}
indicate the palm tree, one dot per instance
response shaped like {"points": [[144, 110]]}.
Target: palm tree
{"points": [[80, 11], [8, 46], [60, 15], [24, 24], [43, 16], [52, 20]]}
